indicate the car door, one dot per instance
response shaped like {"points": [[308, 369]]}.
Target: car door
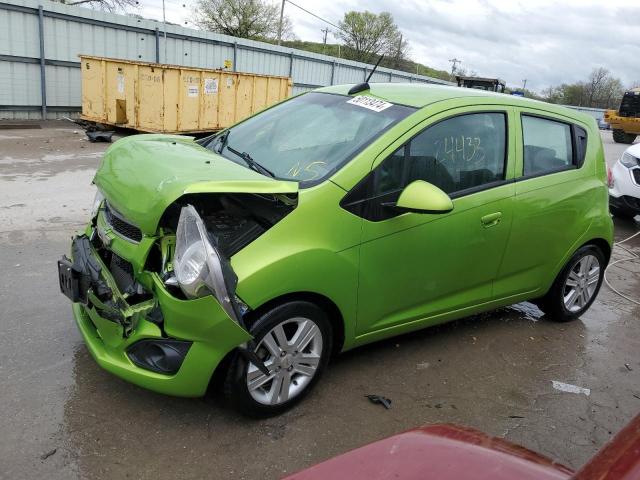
{"points": [[414, 267], [554, 195]]}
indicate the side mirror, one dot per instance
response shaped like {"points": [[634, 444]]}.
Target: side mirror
{"points": [[423, 197]]}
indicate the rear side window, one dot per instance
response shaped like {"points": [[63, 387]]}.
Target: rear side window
{"points": [[581, 144], [548, 145]]}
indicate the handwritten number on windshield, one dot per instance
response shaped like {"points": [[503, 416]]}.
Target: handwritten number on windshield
{"points": [[296, 170]]}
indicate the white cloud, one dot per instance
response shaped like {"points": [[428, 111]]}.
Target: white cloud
{"points": [[545, 41]]}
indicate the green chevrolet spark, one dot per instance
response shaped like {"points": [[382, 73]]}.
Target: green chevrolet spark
{"points": [[331, 220]]}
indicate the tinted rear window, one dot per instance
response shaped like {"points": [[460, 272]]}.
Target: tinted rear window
{"points": [[548, 145]]}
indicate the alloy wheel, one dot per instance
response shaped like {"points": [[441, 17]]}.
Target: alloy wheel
{"points": [[291, 351], [581, 283]]}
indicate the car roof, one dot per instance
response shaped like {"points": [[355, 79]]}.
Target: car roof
{"points": [[421, 94]]}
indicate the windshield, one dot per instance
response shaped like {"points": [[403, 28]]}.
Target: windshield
{"points": [[308, 137]]}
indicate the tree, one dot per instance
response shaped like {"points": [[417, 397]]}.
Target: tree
{"points": [[254, 19], [110, 5], [366, 35], [601, 90]]}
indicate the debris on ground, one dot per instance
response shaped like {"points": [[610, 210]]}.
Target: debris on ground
{"points": [[568, 388], [48, 454], [423, 365], [99, 136], [628, 367], [380, 400], [95, 131]]}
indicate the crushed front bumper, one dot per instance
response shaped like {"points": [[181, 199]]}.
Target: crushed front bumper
{"points": [[112, 327]]}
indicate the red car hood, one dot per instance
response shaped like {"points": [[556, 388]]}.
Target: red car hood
{"points": [[448, 452], [443, 452]]}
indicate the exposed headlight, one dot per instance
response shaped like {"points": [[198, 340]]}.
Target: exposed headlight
{"points": [[629, 160], [191, 268], [97, 201], [199, 268]]}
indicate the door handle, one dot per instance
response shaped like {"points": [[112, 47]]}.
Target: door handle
{"points": [[491, 219]]}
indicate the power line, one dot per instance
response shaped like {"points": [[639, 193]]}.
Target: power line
{"points": [[313, 14]]}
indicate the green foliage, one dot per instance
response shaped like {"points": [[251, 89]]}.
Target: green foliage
{"points": [[366, 35], [340, 51], [254, 19], [601, 90]]}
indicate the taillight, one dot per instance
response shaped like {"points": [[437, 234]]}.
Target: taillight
{"points": [[609, 177]]}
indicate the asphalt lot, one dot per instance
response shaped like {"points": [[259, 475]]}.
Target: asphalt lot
{"points": [[63, 417]]}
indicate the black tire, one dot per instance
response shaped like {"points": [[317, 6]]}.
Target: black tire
{"points": [[619, 136], [236, 388], [553, 303], [621, 213]]}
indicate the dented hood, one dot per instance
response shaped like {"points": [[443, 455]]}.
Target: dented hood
{"points": [[142, 175]]}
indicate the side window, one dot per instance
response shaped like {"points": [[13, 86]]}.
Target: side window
{"points": [[547, 145], [581, 144], [456, 154]]}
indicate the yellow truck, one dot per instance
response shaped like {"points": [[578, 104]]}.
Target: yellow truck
{"points": [[625, 122]]}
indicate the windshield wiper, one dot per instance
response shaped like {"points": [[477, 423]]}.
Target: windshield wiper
{"points": [[223, 140], [255, 166]]}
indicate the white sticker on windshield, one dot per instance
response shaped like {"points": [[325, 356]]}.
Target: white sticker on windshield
{"points": [[371, 103]]}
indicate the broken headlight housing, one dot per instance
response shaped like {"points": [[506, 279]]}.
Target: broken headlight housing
{"points": [[199, 267], [97, 201]]}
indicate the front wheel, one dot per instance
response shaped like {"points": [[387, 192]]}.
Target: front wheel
{"points": [[576, 286], [293, 341]]}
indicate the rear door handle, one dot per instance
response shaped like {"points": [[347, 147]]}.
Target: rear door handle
{"points": [[491, 219]]}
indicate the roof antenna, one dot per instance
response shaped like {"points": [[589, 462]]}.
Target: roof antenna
{"points": [[365, 86]]}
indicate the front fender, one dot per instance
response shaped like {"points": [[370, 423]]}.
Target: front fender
{"points": [[323, 272], [314, 249]]}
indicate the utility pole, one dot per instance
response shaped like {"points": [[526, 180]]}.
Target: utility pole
{"points": [[324, 38], [398, 52], [454, 62], [524, 84], [280, 24], [164, 21]]}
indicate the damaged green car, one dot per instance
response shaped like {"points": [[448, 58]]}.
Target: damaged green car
{"points": [[331, 220]]}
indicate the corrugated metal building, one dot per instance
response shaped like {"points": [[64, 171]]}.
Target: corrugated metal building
{"points": [[597, 113], [40, 42]]}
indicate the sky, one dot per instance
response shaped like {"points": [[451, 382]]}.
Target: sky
{"points": [[546, 42]]}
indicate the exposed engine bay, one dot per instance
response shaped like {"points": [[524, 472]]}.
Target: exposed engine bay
{"points": [[233, 219]]}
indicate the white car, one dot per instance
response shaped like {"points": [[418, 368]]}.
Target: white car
{"points": [[624, 184]]}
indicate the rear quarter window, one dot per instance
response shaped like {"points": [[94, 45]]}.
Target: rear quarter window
{"points": [[548, 145]]}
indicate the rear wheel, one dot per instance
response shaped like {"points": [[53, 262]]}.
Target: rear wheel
{"points": [[576, 286], [619, 136], [293, 341]]}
